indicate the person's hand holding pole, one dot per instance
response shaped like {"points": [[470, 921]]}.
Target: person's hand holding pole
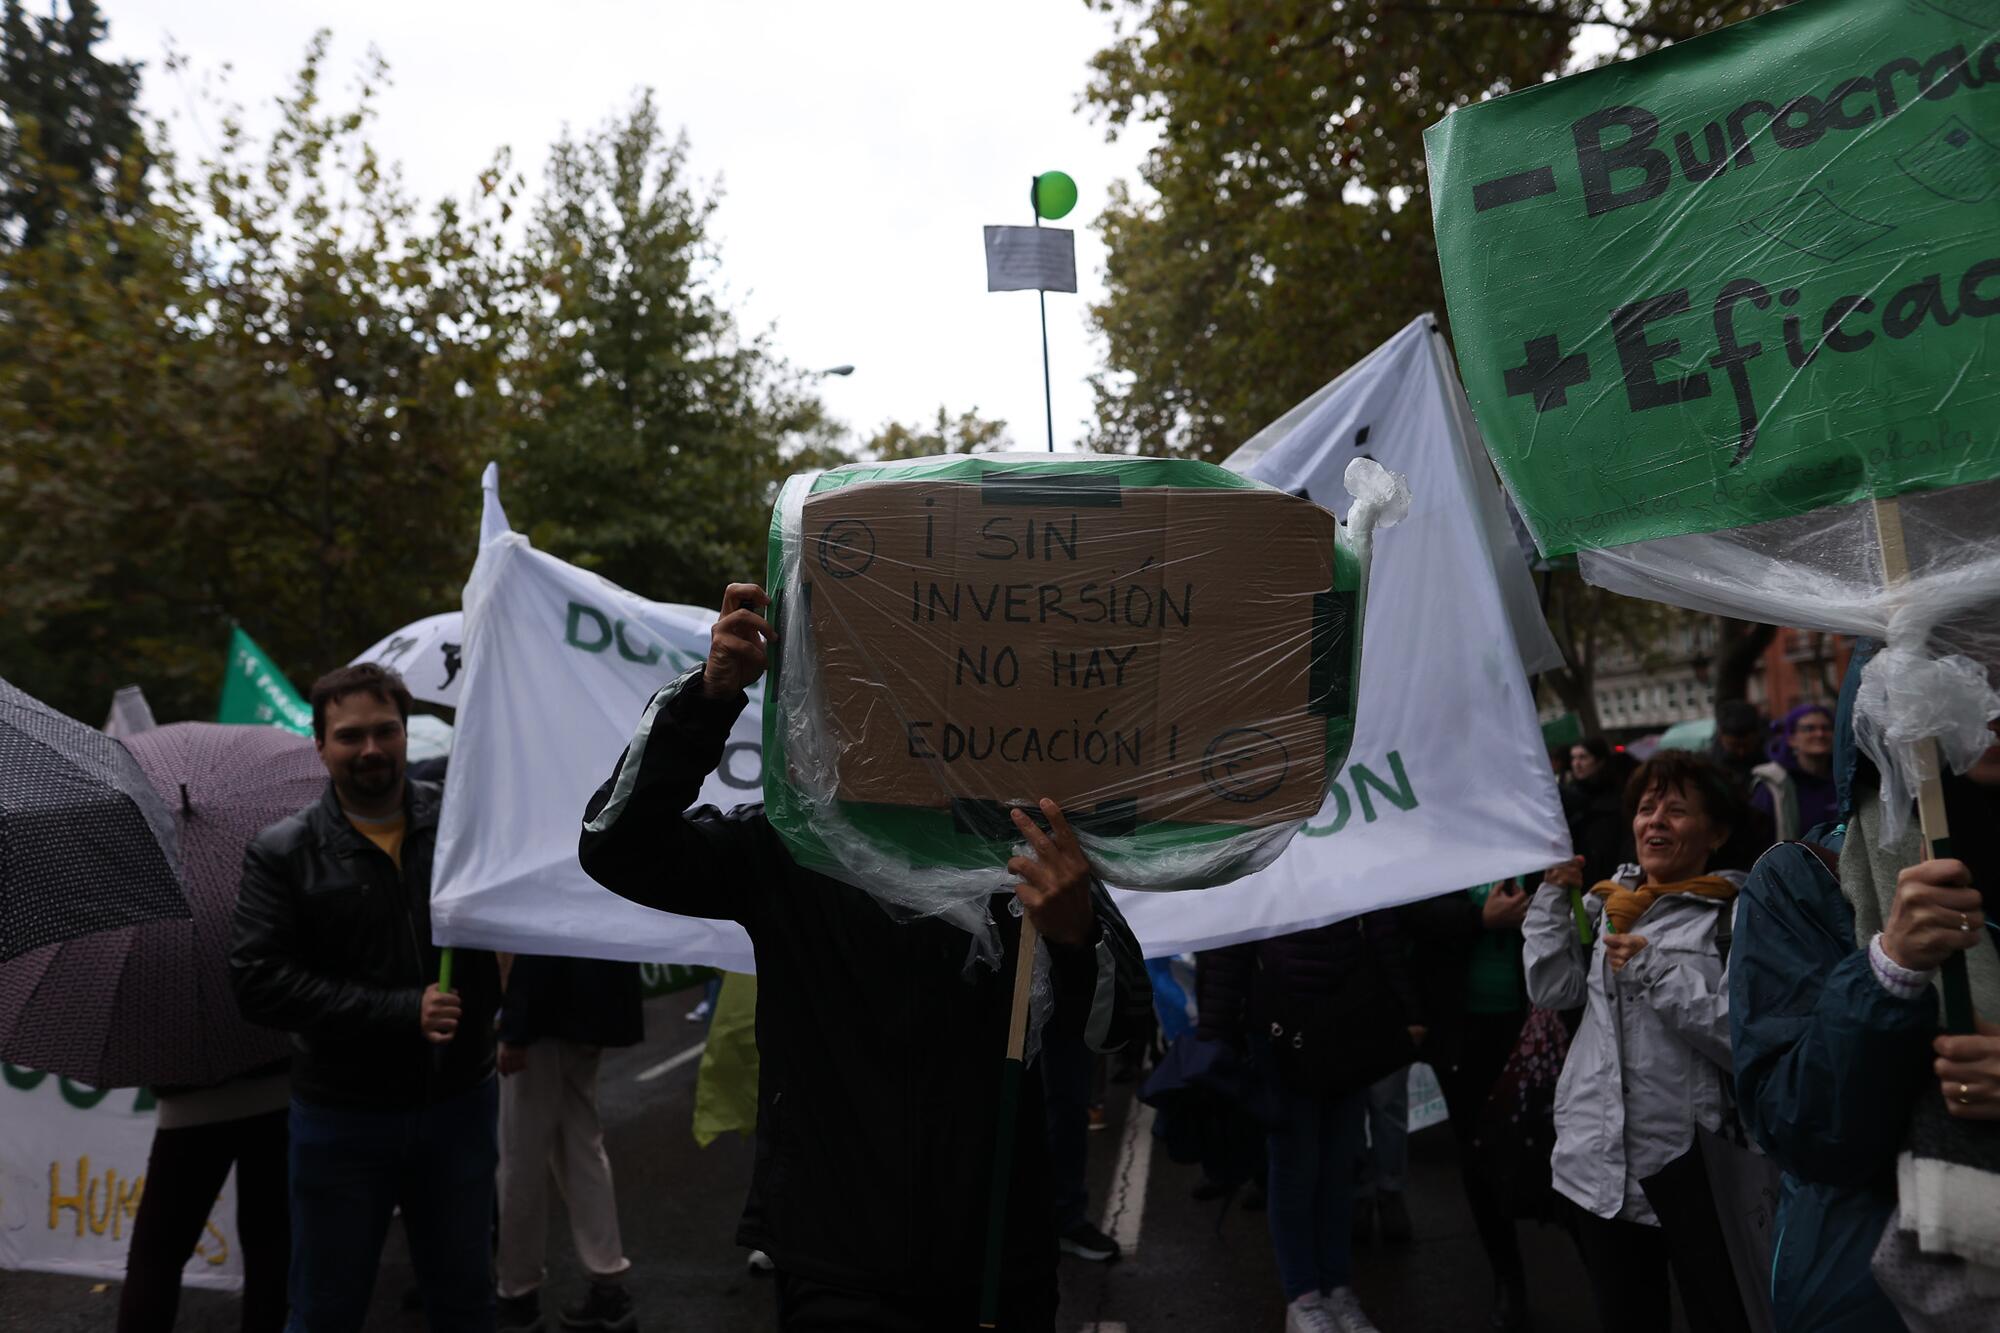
{"points": [[1936, 914], [439, 1015], [1968, 1070], [737, 643]]}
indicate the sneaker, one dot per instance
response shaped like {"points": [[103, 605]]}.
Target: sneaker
{"points": [[760, 1264], [700, 1013], [607, 1309], [1393, 1217], [1308, 1314], [1087, 1242], [520, 1314], [1344, 1311]]}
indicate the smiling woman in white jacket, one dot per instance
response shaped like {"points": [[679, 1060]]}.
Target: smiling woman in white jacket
{"points": [[1650, 1062]]}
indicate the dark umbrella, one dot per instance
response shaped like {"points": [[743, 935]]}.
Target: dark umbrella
{"points": [[152, 1004], [85, 845]]}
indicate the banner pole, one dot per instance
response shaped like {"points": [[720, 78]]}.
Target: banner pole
{"points": [[444, 970], [1003, 1136], [1958, 1012], [1042, 304]]}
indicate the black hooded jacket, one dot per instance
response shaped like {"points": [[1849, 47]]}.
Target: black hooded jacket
{"points": [[880, 1051]]}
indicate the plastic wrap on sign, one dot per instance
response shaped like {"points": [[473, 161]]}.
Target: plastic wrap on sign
{"points": [[1727, 316], [1165, 649]]}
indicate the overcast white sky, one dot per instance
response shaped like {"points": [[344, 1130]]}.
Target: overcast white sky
{"points": [[860, 148]]}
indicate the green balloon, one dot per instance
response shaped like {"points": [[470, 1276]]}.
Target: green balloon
{"points": [[1054, 194]]}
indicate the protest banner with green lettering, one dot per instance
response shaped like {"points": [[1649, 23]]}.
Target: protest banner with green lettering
{"points": [[1746, 277]]}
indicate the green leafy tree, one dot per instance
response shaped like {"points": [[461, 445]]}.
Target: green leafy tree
{"points": [[966, 433], [257, 401], [1281, 225], [655, 432], [70, 143]]}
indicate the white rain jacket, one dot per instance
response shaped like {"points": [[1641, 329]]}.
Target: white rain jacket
{"points": [[1651, 1061]]}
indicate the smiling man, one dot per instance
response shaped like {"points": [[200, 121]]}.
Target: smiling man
{"points": [[393, 1098]]}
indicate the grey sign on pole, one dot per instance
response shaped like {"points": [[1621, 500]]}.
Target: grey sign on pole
{"points": [[1022, 259]]}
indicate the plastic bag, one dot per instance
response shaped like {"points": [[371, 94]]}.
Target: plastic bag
{"points": [[1167, 649], [1939, 621]]}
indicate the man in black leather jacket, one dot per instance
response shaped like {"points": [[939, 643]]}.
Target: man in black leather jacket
{"points": [[393, 1098], [880, 1050]]}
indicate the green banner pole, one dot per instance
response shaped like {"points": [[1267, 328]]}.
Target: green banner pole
{"points": [[444, 970]]}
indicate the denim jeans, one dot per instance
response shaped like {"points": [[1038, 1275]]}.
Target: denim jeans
{"points": [[1067, 1066], [352, 1169], [1311, 1195]]}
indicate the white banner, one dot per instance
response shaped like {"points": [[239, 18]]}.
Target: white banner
{"points": [[72, 1168], [1447, 784]]}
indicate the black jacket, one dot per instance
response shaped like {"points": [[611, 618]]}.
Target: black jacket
{"points": [[880, 1059], [590, 1001], [1242, 984], [332, 944]]}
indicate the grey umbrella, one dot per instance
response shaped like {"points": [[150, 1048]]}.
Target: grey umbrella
{"points": [[85, 844], [152, 1004]]}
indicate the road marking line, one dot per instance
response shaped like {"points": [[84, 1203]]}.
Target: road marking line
{"points": [[671, 1063], [1125, 1209]]}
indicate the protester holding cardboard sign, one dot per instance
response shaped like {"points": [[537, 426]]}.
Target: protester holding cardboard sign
{"points": [[878, 1038]]}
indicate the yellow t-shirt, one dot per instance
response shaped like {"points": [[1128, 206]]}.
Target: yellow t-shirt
{"points": [[384, 833]]}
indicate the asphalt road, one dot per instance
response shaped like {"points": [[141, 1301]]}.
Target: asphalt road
{"points": [[1194, 1267]]}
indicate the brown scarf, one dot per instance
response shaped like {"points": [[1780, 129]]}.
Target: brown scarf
{"points": [[1623, 906]]}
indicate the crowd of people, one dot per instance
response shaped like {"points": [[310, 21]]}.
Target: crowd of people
{"points": [[1708, 1047], [1732, 984]]}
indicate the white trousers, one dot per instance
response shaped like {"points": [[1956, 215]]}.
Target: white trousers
{"points": [[549, 1133]]}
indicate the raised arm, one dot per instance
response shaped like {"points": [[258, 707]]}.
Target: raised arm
{"points": [[1552, 952], [639, 838]]}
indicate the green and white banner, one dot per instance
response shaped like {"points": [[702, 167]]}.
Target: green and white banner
{"points": [[255, 693], [72, 1170], [1749, 276]]}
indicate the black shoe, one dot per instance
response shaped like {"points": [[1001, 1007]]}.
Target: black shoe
{"points": [[607, 1309], [1087, 1242], [1510, 1308], [1393, 1217], [521, 1314]]}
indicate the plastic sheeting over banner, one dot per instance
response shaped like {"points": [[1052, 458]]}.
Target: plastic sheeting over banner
{"points": [[1748, 276], [1446, 782], [1164, 648], [1730, 316]]}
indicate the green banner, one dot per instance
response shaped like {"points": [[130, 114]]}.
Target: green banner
{"points": [[1746, 277], [256, 693]]}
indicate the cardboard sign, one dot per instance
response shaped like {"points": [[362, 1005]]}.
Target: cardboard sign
{"points": [[1746, 277], [1139, 654]]}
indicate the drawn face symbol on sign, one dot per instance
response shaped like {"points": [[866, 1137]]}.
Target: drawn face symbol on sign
{"points": [[1245, 764], [846, 548]]}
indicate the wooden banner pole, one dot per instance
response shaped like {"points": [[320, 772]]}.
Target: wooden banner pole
{"points": [[1958, 1012]]}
